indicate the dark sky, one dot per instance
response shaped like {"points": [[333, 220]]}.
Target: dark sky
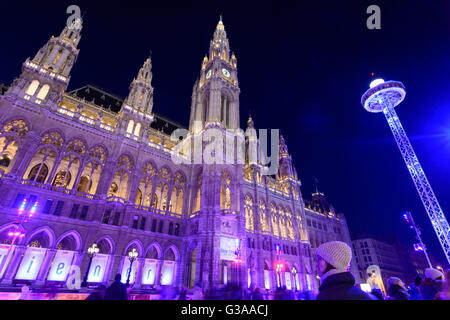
{"points": [[302, 67]]}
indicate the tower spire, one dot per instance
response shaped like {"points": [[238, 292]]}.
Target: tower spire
{"points": [[44, 78]]}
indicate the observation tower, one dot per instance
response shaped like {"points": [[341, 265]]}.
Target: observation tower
{"points": [[384, 97]]}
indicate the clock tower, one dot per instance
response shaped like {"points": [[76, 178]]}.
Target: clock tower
{"points": [[215, 97]]}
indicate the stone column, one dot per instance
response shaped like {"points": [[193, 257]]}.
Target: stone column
{"points": [[45, 266], [23, 155], [106, 177], [78, 177], [138, 279], [58, 160], [159, 264], [13, 265]]}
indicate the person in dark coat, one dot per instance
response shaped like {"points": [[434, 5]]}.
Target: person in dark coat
{"points": [[377, 293], [414, 289], [429, 288], [117, 290], [257, 295], [97, 294], [396, 289], [333, 260], [183, 294]]}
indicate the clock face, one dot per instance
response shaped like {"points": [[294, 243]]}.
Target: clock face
{"points": [[208, 75], [226, 73]]}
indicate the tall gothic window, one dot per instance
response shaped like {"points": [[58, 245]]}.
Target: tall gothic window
{"points": [[265, 226], [137, 129], [43, 92], [130, 126], [275, 225], [248, 208], [32, 88], [38, 173], [225, 194]]}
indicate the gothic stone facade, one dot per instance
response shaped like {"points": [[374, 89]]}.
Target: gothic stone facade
{"points": [[93, 168]]}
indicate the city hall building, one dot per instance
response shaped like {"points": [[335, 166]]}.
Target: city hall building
{"points": [[85, 167]]}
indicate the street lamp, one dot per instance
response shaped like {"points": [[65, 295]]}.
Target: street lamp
{"points": [[294, 272], [417, 246], [16, 232], [132, 255], [238, 261], [279, 265], [92, 251]]}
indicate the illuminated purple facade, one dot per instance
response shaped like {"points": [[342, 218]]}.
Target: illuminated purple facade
{"points": [[98, 169]]}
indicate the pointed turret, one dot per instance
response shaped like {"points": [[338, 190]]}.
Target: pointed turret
{"points": [[251, 143], [136, 111], [44, 79], [285, 160], [219, 45], [140, 97], [217, 100]]}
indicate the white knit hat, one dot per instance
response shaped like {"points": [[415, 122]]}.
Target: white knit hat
{"points": [[432, 273], [336, 253]]}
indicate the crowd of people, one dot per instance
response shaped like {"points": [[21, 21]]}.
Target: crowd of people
{"points": [[336, 283]]}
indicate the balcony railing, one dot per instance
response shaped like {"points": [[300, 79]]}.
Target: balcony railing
{"points": [[116, 199]]}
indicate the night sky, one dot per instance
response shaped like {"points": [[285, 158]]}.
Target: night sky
{"points": [[302, 68]]}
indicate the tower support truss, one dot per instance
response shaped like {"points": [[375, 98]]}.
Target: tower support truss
{"points": [[429, 200]]}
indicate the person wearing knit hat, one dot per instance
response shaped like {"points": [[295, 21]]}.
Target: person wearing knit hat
{"points": [[433, 274], [337, 283], [432, 285]]}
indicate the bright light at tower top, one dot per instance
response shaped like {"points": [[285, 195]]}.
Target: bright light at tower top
{"points": [[376, 82]]}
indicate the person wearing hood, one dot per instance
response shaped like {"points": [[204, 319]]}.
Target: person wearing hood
{"points": [[337, 283], [430, 287], [396, 289]]}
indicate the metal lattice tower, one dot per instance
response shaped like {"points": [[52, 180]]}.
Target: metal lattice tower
{"points": [[384, 97]]}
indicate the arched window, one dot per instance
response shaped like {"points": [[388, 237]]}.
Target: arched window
{"points": [[248, 208], [130, 126], [265, 225], [113, 190], [38, 173], [275, 226], [283, 232], [290, 228], [43, 92], [225, 194], [137, 129], [180, 199], [69, 163], [62, 178], [164, 198], [5, 161], [32, 88], [83, 184], [138, 200], [57, 56], [198, 196]]}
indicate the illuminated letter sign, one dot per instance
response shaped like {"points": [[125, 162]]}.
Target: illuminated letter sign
{"points": [[60, 265], [98, 267], [267, 279], [126, 270], [167, 273], [227, 248], [149, 271], [31, 263], [3, 252], [287, 277]]}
